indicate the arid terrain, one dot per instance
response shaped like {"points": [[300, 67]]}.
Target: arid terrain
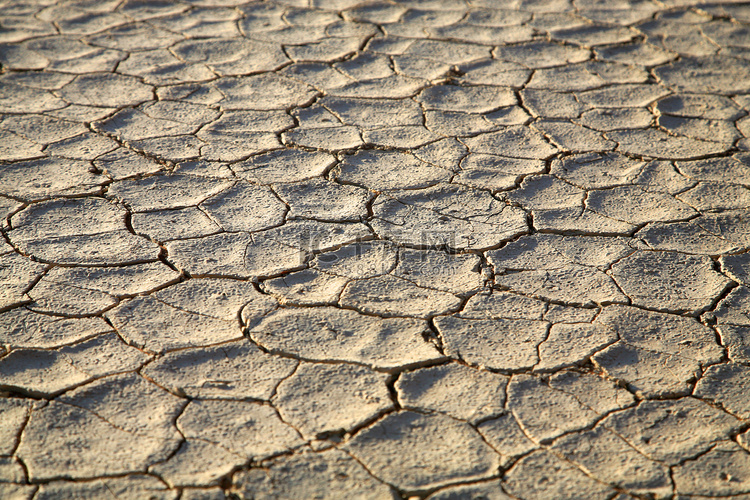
{"points": [[332, 249]]}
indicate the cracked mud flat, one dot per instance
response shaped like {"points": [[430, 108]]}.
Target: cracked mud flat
{"points": [[428, 249]]}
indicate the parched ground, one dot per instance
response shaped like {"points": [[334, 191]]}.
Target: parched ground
{"points": [[308, 249]]}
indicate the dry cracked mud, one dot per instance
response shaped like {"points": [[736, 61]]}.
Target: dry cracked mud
{"points": [[374, 249]]}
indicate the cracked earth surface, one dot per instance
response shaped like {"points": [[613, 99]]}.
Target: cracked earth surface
{"points": [[428, 249]]}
